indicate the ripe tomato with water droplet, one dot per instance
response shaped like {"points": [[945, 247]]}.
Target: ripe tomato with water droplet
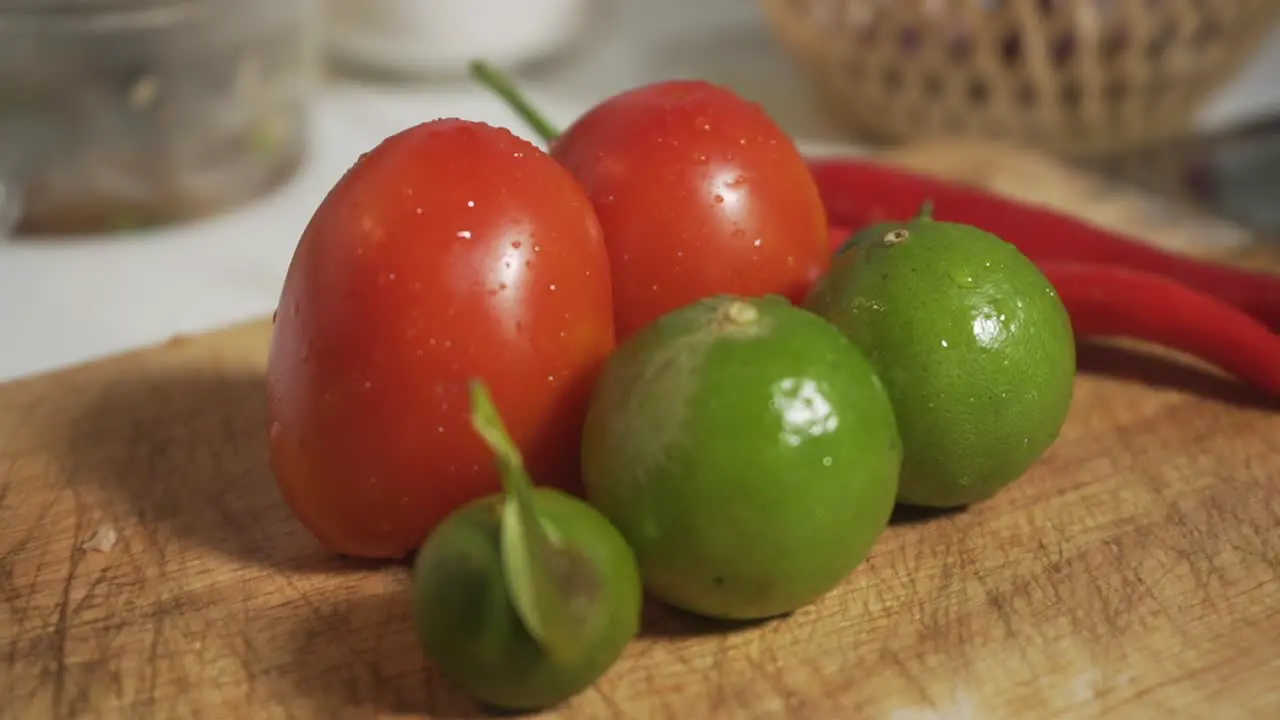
{"points": [[699, 193], [452, 250]]}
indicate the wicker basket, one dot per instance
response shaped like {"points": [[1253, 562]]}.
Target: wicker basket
{"points": [[1075, 77]]}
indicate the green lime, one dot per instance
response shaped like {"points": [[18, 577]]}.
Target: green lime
{"points": [[867, 234], [973, 344], [819, 300], [876, 232], [470, 628], [748, 453]]}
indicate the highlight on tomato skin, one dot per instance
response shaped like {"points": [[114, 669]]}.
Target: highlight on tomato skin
{"points": [[453, 249], [699, 193]]}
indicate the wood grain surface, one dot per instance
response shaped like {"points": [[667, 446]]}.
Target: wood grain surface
{"points": [[1134, 573]]}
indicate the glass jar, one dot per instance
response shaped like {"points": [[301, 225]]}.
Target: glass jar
{"points": [[123, 114]]}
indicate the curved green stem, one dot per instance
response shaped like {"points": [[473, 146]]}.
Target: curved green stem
{"points": [[487, 423], [491, 78], [530, 558]]}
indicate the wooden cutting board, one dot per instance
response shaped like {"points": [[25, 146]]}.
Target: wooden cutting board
{"points": [[1134, 572], [148, 568]]}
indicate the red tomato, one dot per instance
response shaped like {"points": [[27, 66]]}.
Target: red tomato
{"points": [[450, 251], [699, 193]]}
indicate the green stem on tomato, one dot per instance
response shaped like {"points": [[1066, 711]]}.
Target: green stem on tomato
{"points": [[539, 573], [502, 86]]}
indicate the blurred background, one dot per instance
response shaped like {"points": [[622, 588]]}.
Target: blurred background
{"points": [[155, 149]]}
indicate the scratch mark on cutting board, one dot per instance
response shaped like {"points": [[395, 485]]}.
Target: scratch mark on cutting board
{"points": [[1085, 686], [907, 673], [62, 628], [961, 708]]}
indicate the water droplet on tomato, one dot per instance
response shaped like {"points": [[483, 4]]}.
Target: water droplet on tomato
{"points": [[276, 429], [537, 247], [757, 242], [418, 211], [464, 234], [719, 199], [440, 429], [739, 234], [552, 286], [826, 461], [471, 203], [516, 244], [502, 287], [551, 378], [368, 384]]}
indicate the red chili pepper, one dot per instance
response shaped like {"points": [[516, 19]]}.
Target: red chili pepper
{"points": [[1108, 301], [858, 193]]}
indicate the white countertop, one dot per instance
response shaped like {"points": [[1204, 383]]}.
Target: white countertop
{"points": [[63, 303]]}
